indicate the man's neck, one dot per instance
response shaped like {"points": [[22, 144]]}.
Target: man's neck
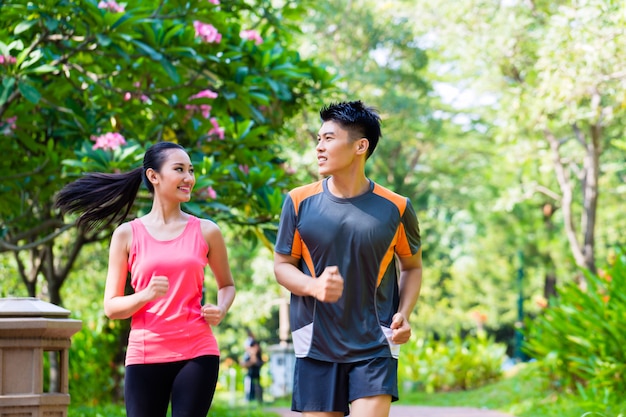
{"points": [[348, 187]]}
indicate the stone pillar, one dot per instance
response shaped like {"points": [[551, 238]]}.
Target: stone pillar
{"points": [[29, 329]]}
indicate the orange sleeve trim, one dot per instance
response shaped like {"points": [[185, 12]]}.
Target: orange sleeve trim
{"points": [[387, 259], [301, 193], [398, 200], [308, 260], [299, 249], [403, 249], [296, 246]]}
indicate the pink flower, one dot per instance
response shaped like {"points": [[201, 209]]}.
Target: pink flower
{"points": [[251, 35], [127, 96], [216, 2], [244, 168], [205, 109], [111, 5], [217, 130], [204, 93], [206, 32], [7, 60], [211, 192], [8, 126], [111, 140]]}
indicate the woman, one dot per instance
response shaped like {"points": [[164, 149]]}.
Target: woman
{"points": [[172, 352]]}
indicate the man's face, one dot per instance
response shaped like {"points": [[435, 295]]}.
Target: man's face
{"points": [[335, 150]]}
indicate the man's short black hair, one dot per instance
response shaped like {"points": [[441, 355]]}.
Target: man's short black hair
{"points": [[357, 118]]}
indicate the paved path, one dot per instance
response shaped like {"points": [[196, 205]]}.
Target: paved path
{"points": [[417, 411]]}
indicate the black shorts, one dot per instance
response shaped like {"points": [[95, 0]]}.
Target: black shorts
{"points": [[329, 386]]}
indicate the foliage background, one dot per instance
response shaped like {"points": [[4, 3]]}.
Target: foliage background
{"points": [[501, 123]]}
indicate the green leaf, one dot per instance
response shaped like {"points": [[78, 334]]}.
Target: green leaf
{"points": [[121, 52], [241, 74], [184, 51], [33, 57], [42, 69], [24, 26], [103, 39], [7, 88], [170, 70], [170, 33], [52, 24], [29, 92], [18, 45], [155, 55], [125, 17]]}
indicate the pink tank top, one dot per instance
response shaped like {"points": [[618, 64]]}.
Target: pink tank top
{"points": [[170, 328]]}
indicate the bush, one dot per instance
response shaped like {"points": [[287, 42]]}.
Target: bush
{"points": [[580, 335], [455, 364], [94, 374]]}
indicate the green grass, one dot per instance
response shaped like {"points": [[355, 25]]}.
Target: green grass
{"points": [[525, 392]]}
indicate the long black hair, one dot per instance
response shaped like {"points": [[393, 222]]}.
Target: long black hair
{"points": [[105, 198]]}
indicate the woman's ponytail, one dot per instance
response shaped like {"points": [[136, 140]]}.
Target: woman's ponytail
{"points": [[101, 199]]}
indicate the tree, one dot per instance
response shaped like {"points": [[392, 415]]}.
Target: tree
{"points": [[425, 153], [554, 75], [86, 85]]}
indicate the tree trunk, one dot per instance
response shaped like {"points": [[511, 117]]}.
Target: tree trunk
{"points": [[549, 285], [582, 242]]}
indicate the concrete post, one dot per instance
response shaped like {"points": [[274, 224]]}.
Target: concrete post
{"points": [[29, 328], [282, 365]]}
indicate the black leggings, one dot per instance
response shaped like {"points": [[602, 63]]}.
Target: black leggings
{"points": [[190, 384]]}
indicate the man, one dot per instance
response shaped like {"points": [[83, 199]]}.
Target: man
{"points": [[253, 361], [340, 244]]}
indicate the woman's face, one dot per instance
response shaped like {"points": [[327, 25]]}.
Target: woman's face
{"points": [[176, 177]]}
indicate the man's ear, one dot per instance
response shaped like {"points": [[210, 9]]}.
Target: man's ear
{"points": [[362, 145]]}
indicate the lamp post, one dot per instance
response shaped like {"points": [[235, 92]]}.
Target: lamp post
{"points": [[519, 325]]}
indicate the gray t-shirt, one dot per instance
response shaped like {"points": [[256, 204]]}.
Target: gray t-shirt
{"points": [[361, 236]]}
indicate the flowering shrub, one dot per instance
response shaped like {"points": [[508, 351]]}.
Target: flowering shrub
{"points": [[108, 72]]}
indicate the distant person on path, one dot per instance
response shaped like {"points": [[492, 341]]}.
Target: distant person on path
{"points": [[341, 243], [172, 352], [253, 361]]}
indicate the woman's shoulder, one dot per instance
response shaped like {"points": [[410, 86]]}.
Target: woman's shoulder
{"points": [[208, 225], [210, 230], [124, 228]]}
